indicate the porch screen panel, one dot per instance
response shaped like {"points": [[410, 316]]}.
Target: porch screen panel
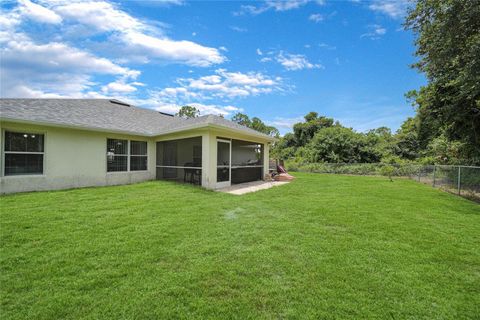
{"points": [[180, 160], [247, 161]]}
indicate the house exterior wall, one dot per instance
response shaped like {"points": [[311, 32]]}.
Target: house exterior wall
{"points": [[73, 158], [77, 158]]}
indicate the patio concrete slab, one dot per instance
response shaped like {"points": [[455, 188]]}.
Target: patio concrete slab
{"points": [[247, 187]]}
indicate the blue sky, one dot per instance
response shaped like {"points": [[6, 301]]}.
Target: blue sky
{"points": [[276, 60]]}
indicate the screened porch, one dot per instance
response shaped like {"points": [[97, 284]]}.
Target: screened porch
{"points": [[229, 161]]}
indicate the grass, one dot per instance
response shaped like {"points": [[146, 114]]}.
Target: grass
{"points": [[324, 246]]}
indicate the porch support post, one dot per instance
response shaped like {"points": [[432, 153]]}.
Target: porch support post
{"points": [[209, 160], [266, 159]]}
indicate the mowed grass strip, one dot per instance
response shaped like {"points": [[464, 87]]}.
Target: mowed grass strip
{"points": [[323, 246]]}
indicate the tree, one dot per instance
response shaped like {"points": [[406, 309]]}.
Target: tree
{"points": [[448, 44], [188, 112], [387, 171], [338, 144], [255, 124], [407, 145], [304, 131], [242, 119], [259, 125], [381, 141], [311, 116]]}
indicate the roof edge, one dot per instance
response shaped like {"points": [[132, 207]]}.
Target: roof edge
{"points": [[217, 126], [161, 133], [77, 127]]}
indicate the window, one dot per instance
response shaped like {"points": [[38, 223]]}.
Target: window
{"points": [[23, 153], [138, 155], [117, 155], [125, 156]]}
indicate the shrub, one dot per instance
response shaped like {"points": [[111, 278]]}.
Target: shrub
{"points": [[387, 171]]}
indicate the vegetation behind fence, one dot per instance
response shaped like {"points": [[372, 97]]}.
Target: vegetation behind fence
{"points": [[463, 180]]}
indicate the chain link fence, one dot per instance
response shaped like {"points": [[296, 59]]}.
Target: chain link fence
{"points": [[462, 180]]}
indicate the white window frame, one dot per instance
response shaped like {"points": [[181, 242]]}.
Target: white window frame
{"points": [[136, 155], [128, 155], [4, 153]]}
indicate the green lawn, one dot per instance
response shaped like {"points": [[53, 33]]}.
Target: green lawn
{"points": [[323, 247]]}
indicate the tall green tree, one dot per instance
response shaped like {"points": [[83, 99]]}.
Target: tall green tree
{"points": [[406, 140], [448, 47], [304, 131], [338, 144], [242, 118], [255, 123], [188, 112]]}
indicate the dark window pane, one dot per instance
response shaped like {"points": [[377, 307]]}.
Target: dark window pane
{"points": [[23, 142], [115, 146], [138, 163], [17, 164], [116, 163], [138, 148]]}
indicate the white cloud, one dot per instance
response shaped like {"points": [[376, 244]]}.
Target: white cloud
{"points": [[284, 124], [284, 5], [290, 61], [226, 85], [259, 52], [121, 86], [203, 108], [275, 5], [222, 85], [38, 13], [393, 8], [29, 69], [100, 15], [326, 46], [376, 31], [56, 68], [316, 17], [238, 29], [183, 51], [136, 37], [57, 56], [296, 62]]}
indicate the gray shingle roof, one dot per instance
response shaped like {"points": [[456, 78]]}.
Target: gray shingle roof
{"points": [[104, 115]]}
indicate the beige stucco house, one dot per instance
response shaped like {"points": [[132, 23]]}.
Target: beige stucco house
{"points": [[51, 144]]}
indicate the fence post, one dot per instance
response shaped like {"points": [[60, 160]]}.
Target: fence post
{"points": [[434, 169], [459, 177]]}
